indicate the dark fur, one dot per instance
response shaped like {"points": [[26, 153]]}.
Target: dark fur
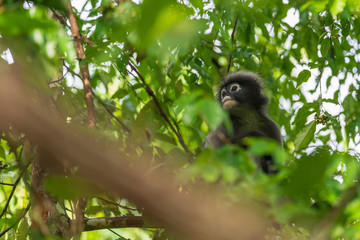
{"points": [[249, 117], [249, 80]]}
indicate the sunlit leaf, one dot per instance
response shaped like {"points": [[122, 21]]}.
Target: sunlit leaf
{"points": [[325, 46], [304, 76], [337, 6], [305, 136]]}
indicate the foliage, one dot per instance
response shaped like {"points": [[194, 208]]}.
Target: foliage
{"points": [[306, 52]]}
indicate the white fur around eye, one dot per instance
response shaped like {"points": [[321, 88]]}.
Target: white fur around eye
{"points": [[234, 87]]}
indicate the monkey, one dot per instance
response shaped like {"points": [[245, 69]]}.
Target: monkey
{"points": [[240, 94]]}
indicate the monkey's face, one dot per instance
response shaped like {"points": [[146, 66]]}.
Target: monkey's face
{"points": [[230, 96]]}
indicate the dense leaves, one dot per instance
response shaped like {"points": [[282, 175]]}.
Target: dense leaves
{"points": [[154, 66]]}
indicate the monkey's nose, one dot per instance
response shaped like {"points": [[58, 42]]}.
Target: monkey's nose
{"points": [[226, 98]]}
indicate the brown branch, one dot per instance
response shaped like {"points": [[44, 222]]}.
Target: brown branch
{"points": [[7, 184], [18, 220], [87, 40], [151, 93], [72, 71], [88, 95], [111, 113], [60, 18], [232, 43], [13, 191], [84, 69], [91, 224]]}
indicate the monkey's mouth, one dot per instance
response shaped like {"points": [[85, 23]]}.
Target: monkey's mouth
{"points": [[226, 99], [228, 103]]}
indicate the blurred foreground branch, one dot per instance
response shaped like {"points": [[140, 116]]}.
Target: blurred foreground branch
{"points": [[194, 216]]}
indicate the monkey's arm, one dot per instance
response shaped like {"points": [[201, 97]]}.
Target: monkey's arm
{"points": [[271, 130], [217, 138]]}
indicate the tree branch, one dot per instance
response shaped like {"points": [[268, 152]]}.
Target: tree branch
{"points": [[111, 113], [7, 184], [84, 69], [88, 94], [119, 205], [91, 224]]}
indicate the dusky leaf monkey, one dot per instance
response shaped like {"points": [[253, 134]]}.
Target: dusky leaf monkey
{"points": [[241, 95]]}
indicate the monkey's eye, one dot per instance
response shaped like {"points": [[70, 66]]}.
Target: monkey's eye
{"points": [[234, 87], [223, 93]]}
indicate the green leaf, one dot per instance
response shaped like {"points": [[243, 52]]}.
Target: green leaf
{"points": [[22, 23], [23, 230], [308, 176], [354, 5], [337, 6], [303, 113], [197, 3], [315, 5], [304, 76], [325, 46], [261, 146], [333, 120], [71, 187], [305, 136], [2, 153], [212, 113], [352, 169]]}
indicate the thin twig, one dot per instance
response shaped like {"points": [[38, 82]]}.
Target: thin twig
{"points": [[13, 191], [72, 71], [60, 79], [58, 17], [63, 21], [119, 205], [158, 105], [21, 217], [111, 113], [7, 184], [86, 40], [232, 43], [132, 87], [120, 237]]}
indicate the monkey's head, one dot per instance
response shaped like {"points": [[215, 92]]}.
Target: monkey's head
{"points": [[241, 89]]}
